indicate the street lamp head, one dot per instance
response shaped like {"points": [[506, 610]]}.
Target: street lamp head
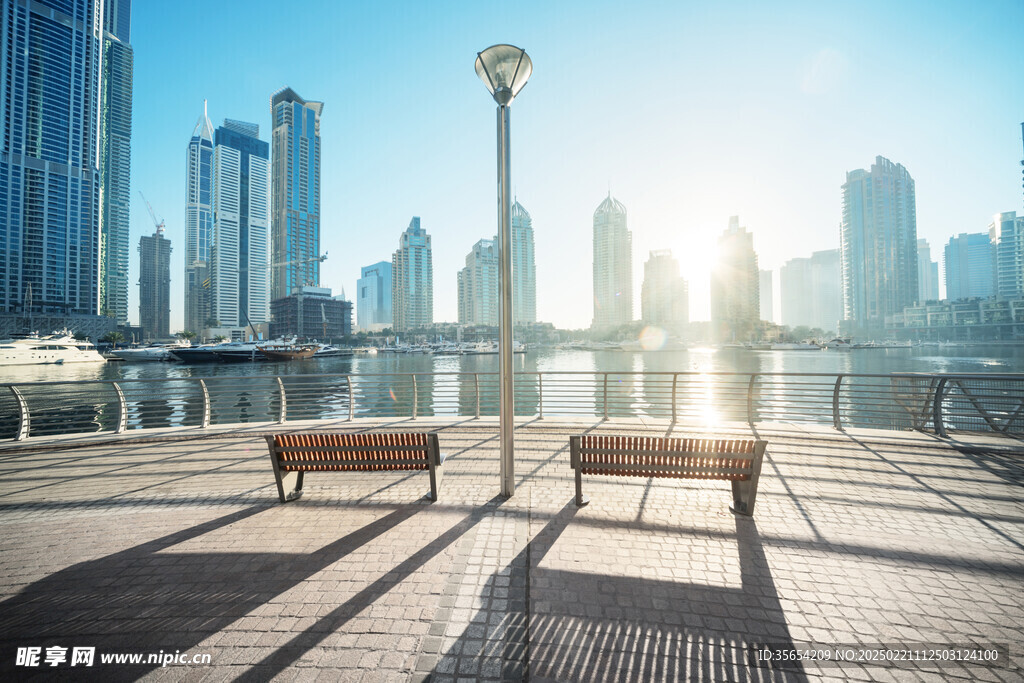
{"points": [[504, 69]]}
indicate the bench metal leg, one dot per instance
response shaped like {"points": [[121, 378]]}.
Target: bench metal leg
{"points": [[434, 461], [576, 463], [581, 500], [743, 498], [289, 486]]}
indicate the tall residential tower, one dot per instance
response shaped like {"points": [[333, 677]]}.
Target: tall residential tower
{"points": [[735, 285], [295, 189], [613, 266], [478, 285], [373, 301], [524, 268], [412, 279], [155, 285]]}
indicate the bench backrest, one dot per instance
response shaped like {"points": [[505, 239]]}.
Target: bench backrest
{"points": [[320, 452], [644, 456]]}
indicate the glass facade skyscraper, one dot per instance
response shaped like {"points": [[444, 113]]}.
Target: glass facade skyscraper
{"points": [[969, 266], [524, 268], [664, 294], [374, 297], [735, 285], [239, 272], [927, 273], [613, 265], [810, 291], [878, 243], [50, 158], [115, 158], [199, 226], [412, 279], [295, 179]]}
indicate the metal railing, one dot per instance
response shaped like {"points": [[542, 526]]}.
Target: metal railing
{"points": [[939, 403]]}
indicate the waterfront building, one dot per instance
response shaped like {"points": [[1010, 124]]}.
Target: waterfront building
{"points": [[115, 158], [1007, 235], [373, 300], [524, 268], [969, 266], [810, 291], [239, 270], [50, 170], [735, 285], [766, 294], [412, 279], [878, 238], [311, 313], [613, 266], [296, 192], [664, 294], [478, 285], [155, 285], [973, 319], [927, 273], [199, 225]]}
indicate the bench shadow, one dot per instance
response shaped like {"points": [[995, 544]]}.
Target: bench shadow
{"points": [[570, 625], [153, 597]]}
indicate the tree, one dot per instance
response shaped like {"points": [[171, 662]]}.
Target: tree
{"points": [[114, 338], [219, 338], [186, 335]]}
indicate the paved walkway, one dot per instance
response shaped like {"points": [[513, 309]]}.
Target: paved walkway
{"points": [[860, 541]]}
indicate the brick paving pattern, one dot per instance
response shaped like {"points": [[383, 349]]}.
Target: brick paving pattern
{"points": [[860, 539]]}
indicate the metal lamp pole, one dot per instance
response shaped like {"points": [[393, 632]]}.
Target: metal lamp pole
{"points": [[505, 69]]}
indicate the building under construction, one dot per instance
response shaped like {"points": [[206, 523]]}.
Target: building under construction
{"points": [[311, 313]]}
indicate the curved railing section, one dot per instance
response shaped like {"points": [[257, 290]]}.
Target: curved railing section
{"points": [[939, 403]]}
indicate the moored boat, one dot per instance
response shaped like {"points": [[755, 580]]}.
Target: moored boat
{"points": [[288, 351], [54, 349]]}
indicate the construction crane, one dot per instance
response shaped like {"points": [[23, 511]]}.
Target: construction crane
{"points": [[298, 262], [159, 223]]}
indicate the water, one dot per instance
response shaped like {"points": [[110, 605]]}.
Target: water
{"points": [[996, 359]]}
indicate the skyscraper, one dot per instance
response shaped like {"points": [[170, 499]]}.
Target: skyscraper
{"points": [[927, 273], [810, 291], [524, 269], [878, 238], [295, 181], [155, 285], [50, 162], [1007, 235], [735, 285], [613, 265], [969, 266], [478, 285], [374, 299], [115, 158], [199, 226], [241, 217], [664, 295], [412, 279], [766, 294]]}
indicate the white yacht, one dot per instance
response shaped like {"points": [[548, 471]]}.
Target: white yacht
{"points": [[153, 352], [53, 349]]}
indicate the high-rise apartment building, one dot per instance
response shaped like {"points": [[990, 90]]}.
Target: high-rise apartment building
{"points": [[613, 265], [199, 226], [239, 274], [664, 294], [374, 298], [524, 268], [412, 279], [969, 266], [878, 238], [766, 293], [115, 158], [927, 273], [50, 163], [295, 182], [735, 285], [1006, 231], [810, 291], [478, 285], [155, 285]]}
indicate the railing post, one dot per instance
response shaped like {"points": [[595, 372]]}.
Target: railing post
{"points": [[351, 398], [940, 428], [606, 395], [206, 404], [476, 384], [282, 413], [24, 418], [836, 421], [675, 379], [122, 410], [750, 400], [415, 396], [540, 394]]}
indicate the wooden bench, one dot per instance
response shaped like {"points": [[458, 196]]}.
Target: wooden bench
{"points": [[735, 460], [295, 454]]}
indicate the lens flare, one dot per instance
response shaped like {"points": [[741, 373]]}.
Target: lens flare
{"points": [[653, 338]]}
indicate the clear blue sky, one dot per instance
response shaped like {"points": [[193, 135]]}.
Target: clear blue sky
{"points": [[687, 112]]}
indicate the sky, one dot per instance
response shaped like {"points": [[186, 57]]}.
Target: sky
{"points": [[688, 113]]}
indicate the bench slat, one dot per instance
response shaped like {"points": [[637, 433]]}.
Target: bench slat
{"points": [[348, 449], [644, 467], [673, 454], [352, 463]]}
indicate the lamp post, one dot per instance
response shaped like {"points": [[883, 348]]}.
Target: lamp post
{"points": [[504, 69]]}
